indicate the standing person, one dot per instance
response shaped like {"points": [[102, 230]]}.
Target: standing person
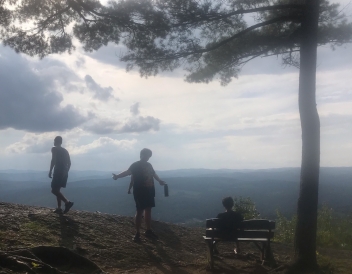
{"points": [[143, 190], [230, 220], [61, 164]]}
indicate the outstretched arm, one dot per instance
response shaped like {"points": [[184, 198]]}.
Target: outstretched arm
{"points": [[161, 182], [122, 174]]}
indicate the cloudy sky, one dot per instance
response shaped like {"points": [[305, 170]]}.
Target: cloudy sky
{"points": [[106, 115]]}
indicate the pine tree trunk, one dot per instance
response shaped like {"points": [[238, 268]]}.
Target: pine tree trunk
{"points": [[306, 229]]}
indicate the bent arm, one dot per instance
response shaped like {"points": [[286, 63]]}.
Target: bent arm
{"points": [[68, 162], [122, 174], [53, 161], [156, 177]]}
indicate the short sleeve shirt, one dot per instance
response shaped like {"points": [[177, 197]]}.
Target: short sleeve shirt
{"points": [[62, 161], [143, 175]]}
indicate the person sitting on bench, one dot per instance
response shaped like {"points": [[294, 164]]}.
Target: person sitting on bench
{"points": [[230, 221]]}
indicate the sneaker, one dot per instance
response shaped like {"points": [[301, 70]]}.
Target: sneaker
{"points": [[150, 234], [68, 206], [137, 237], [58, 211]]}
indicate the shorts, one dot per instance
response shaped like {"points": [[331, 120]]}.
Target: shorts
{"points": [[59, 180], [144, 199]]}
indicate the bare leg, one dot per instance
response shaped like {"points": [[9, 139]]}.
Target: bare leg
{"points": [[148, 217], [237, 249], [58, 202], [59, 196], [138, 220]]}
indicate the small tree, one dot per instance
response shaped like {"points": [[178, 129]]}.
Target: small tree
{"points": [[246, 207]]}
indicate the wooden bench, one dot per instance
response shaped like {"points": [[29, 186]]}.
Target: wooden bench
{"points": [[260, 232]]}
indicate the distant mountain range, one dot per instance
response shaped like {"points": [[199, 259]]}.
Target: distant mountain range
{"points": [[195, 194]]}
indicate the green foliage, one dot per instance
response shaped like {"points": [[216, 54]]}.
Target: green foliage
{"points": [[246, 207], [285, 228], [209, 39], [333, 230]]}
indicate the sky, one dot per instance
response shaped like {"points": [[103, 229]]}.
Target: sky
{"points": [[107, 115]]}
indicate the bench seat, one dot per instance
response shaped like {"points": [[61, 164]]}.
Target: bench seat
{"points": [[260, 232]]}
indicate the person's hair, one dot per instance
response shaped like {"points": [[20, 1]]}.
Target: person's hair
{"points": [[227, 202], [58, 139], [146, 152]]}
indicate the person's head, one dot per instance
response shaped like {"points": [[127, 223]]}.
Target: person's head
{"points": [[145, 154], [228, 203], [58, 141]]}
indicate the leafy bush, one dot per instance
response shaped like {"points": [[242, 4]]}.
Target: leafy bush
{"points": [[333, 230], [246, 207]]}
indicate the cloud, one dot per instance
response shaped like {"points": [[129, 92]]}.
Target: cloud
{"points": [[102, 145], [29, 99], [140, 124], [109, 54], [100, 93], [102, 126], [32, 143], [134, 124], [135, 109]]}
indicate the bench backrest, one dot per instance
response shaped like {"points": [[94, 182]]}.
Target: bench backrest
{"points": [[258, 228]]}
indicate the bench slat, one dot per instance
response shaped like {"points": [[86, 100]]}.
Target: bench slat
{"points": [[240, 234], [259, 224]]}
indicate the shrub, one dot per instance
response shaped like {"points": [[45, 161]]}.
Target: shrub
{"points": [[246, 207], [333, 230]]}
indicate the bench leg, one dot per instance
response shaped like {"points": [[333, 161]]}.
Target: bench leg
{"points": [[269, 256], [210, 253]]}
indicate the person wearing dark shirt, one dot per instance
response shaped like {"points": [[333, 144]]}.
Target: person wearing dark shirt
{"points": [[61, 163], [230, 221], [143, 190]]}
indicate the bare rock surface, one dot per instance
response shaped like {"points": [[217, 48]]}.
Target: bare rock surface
{"points": [[91, 243]]}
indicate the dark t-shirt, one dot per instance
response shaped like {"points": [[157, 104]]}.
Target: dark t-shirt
{"points": [[143, 177], [62, 161], [230, 221]]}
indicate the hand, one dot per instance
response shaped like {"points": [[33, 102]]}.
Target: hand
{"points": [[162, 183], [50, 175], [129, 191], [114, 176]]}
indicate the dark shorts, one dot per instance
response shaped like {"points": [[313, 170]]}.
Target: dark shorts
{"points": [[59, 180], [144, 199]]}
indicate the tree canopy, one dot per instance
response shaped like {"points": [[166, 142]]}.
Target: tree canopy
{"points": [[209, 38]]}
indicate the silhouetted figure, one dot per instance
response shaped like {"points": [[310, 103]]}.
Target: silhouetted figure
{"points": [[61, 164], [230, 220], [143, 190]]}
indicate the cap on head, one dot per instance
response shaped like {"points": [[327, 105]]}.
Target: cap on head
{"points": [[227, 202], [58, 140], [146, 153]]}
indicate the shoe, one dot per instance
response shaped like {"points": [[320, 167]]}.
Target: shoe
{"points": [[67, 207], [58, 211], [137, 237], [150, 234]]}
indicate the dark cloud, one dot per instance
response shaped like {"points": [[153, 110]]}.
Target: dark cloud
{"points": [[100, 93], [28, 99], [135, 109], [102, 127], [134, 124], [140, 124]]}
